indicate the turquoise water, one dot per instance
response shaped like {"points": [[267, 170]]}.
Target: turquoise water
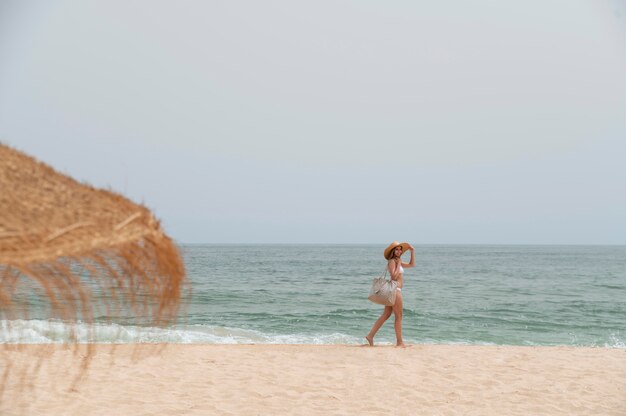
{"points": [[521, 295], [511, 295]]}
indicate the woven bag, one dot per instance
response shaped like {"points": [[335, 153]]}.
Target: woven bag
{"points": [[383, 291]]}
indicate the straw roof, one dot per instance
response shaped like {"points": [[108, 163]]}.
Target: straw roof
{"points": [[70, 241]]}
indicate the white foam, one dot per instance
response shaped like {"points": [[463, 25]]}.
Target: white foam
{"points": [[615, 342], [44, 332]]}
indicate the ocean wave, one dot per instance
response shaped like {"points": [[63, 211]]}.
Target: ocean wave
{"points": [[45, 332], [53, 332], [615, 342]]}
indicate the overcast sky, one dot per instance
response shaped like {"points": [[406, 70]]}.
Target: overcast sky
{"points": [[332, 121]]}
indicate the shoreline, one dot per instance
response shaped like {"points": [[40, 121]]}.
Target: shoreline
{"points": [[177, 379]]}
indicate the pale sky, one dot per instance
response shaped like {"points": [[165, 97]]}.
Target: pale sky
{"points": [[434, 122]]}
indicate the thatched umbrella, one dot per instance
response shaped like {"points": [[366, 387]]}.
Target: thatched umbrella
{"points": [[83, 250]]}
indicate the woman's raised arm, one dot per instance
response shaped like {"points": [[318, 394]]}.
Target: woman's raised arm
{"points": [[412, 262]]}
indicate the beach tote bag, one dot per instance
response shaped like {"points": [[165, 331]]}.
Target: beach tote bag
{"points": [[383, 291]]}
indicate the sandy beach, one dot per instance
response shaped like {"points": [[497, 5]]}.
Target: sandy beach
{"points": [[319, 380]]}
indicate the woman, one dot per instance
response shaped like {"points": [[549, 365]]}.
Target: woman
{"points": [[393, 254]]}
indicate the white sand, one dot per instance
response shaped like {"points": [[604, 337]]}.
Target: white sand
{"points": [[321, 380]]}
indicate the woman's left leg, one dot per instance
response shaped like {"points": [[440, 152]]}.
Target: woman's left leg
{"points": [[397, 310]]}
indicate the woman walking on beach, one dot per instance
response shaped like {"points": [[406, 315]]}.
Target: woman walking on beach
{"points": [[396, 267]]}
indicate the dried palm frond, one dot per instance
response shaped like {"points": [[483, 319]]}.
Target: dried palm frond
{"points": [[87, 253]]}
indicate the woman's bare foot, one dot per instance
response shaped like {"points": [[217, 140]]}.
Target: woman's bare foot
{"points": [[403, 345], [370, 340]]}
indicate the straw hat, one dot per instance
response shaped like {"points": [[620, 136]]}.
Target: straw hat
{"points": [[392, 246], [66, 240]]}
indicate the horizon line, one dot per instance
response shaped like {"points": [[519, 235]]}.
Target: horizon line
{"points": [[415, 244]]}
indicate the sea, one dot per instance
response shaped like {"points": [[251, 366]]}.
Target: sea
{"points": [[317, 294]]}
